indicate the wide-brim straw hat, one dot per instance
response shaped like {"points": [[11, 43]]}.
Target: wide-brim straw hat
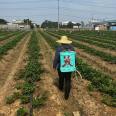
{"points": [[64, 40]]}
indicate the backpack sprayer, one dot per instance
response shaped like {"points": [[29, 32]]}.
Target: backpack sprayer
{"points": [[74, 72], [68, 63]]}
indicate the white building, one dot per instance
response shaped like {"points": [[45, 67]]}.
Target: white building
{"points": [[75, 27], [15, 25]]}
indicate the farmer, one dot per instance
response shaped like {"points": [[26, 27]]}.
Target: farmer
{"points": [[64, 77]]}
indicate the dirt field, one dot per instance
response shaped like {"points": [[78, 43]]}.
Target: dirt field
{"points": [[81, 101]]}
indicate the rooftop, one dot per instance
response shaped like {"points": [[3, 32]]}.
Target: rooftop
{"points": [[111, 21]]}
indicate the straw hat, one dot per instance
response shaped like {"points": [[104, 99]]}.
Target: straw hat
{"points": [[64, 40]]}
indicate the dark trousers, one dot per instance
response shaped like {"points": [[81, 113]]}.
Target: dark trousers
{"points": [[65, 79]]}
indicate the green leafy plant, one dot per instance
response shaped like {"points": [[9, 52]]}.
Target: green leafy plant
{"points": [[13, 98], [39, 101], [25, 99], [22, 112], [91, 87], [28, 88]]}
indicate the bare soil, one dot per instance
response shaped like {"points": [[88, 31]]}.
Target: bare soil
{"points": [[80, 99]]}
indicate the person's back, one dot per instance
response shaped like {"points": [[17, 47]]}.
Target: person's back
{"points": [[64, 77]]}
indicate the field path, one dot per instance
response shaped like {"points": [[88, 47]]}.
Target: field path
{"points": [[80, 100], [17, 55]]}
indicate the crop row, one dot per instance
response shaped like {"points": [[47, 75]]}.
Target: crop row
{"points": [[4, 32], [90, 41], [105, 56], [93, 34], [31, 75], [99, 80], [11, 44], [97, 39], [4, 37], [107, 35]]}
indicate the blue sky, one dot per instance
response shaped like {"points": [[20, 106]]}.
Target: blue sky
{"points": [[73, 10]]}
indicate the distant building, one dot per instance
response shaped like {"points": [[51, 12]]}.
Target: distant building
{"points": [[17, 21], [104, 25], [98, 25], [75, 27], [15, 25], [111, 25]]}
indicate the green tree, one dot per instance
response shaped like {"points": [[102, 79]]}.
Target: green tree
{"points": [[2, 21], [78, 24], [70, 25], [49, 24], [28, 22]]}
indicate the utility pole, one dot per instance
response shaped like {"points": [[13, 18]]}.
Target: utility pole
{"points": [[58, 15]]}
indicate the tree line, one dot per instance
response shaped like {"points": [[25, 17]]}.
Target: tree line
{"points": [[51, 24]]}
